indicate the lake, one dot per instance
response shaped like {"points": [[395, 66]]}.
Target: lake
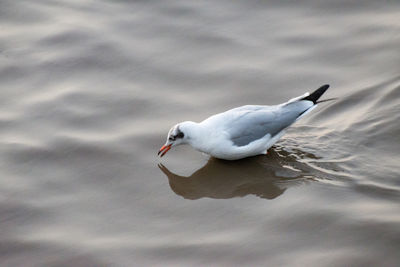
{"points": [[89, 90]]}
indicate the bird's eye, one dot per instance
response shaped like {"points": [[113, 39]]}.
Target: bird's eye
{"points": [[180, 135]]}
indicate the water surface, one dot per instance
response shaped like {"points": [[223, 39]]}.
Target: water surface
{"points": [[89, 90]]}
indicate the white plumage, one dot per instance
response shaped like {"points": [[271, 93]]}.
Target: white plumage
{"points": [[244, 131]]}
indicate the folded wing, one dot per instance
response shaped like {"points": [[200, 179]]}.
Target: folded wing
{"points": [[251, 124]]}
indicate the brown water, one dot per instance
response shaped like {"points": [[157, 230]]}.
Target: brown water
{"points": [[89, 90]]}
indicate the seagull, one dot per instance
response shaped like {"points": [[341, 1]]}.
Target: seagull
{"points": [[243, 131]]}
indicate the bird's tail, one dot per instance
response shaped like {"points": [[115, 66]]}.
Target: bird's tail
{"points": [[317, 94]]}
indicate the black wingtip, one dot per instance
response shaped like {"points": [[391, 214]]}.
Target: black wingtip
{"points": [[317, 94]]}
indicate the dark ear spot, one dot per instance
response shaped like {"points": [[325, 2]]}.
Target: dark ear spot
{"points": [[179, 135]]}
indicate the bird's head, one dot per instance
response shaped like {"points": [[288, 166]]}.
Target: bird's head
{"points": [[177, 135]]}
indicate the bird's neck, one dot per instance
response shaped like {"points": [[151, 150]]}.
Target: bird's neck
{"points": [[196, 133]]}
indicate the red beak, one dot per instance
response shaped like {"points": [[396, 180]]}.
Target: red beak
{"points": [[163, 150]]}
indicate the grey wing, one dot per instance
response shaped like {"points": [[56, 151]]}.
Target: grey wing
{"points": [[249, 126]]}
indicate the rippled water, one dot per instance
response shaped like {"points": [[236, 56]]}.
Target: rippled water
{"points": [[89, 90]]}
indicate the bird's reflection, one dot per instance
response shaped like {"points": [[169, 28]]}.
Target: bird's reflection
{"points": [[264, 176]]}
